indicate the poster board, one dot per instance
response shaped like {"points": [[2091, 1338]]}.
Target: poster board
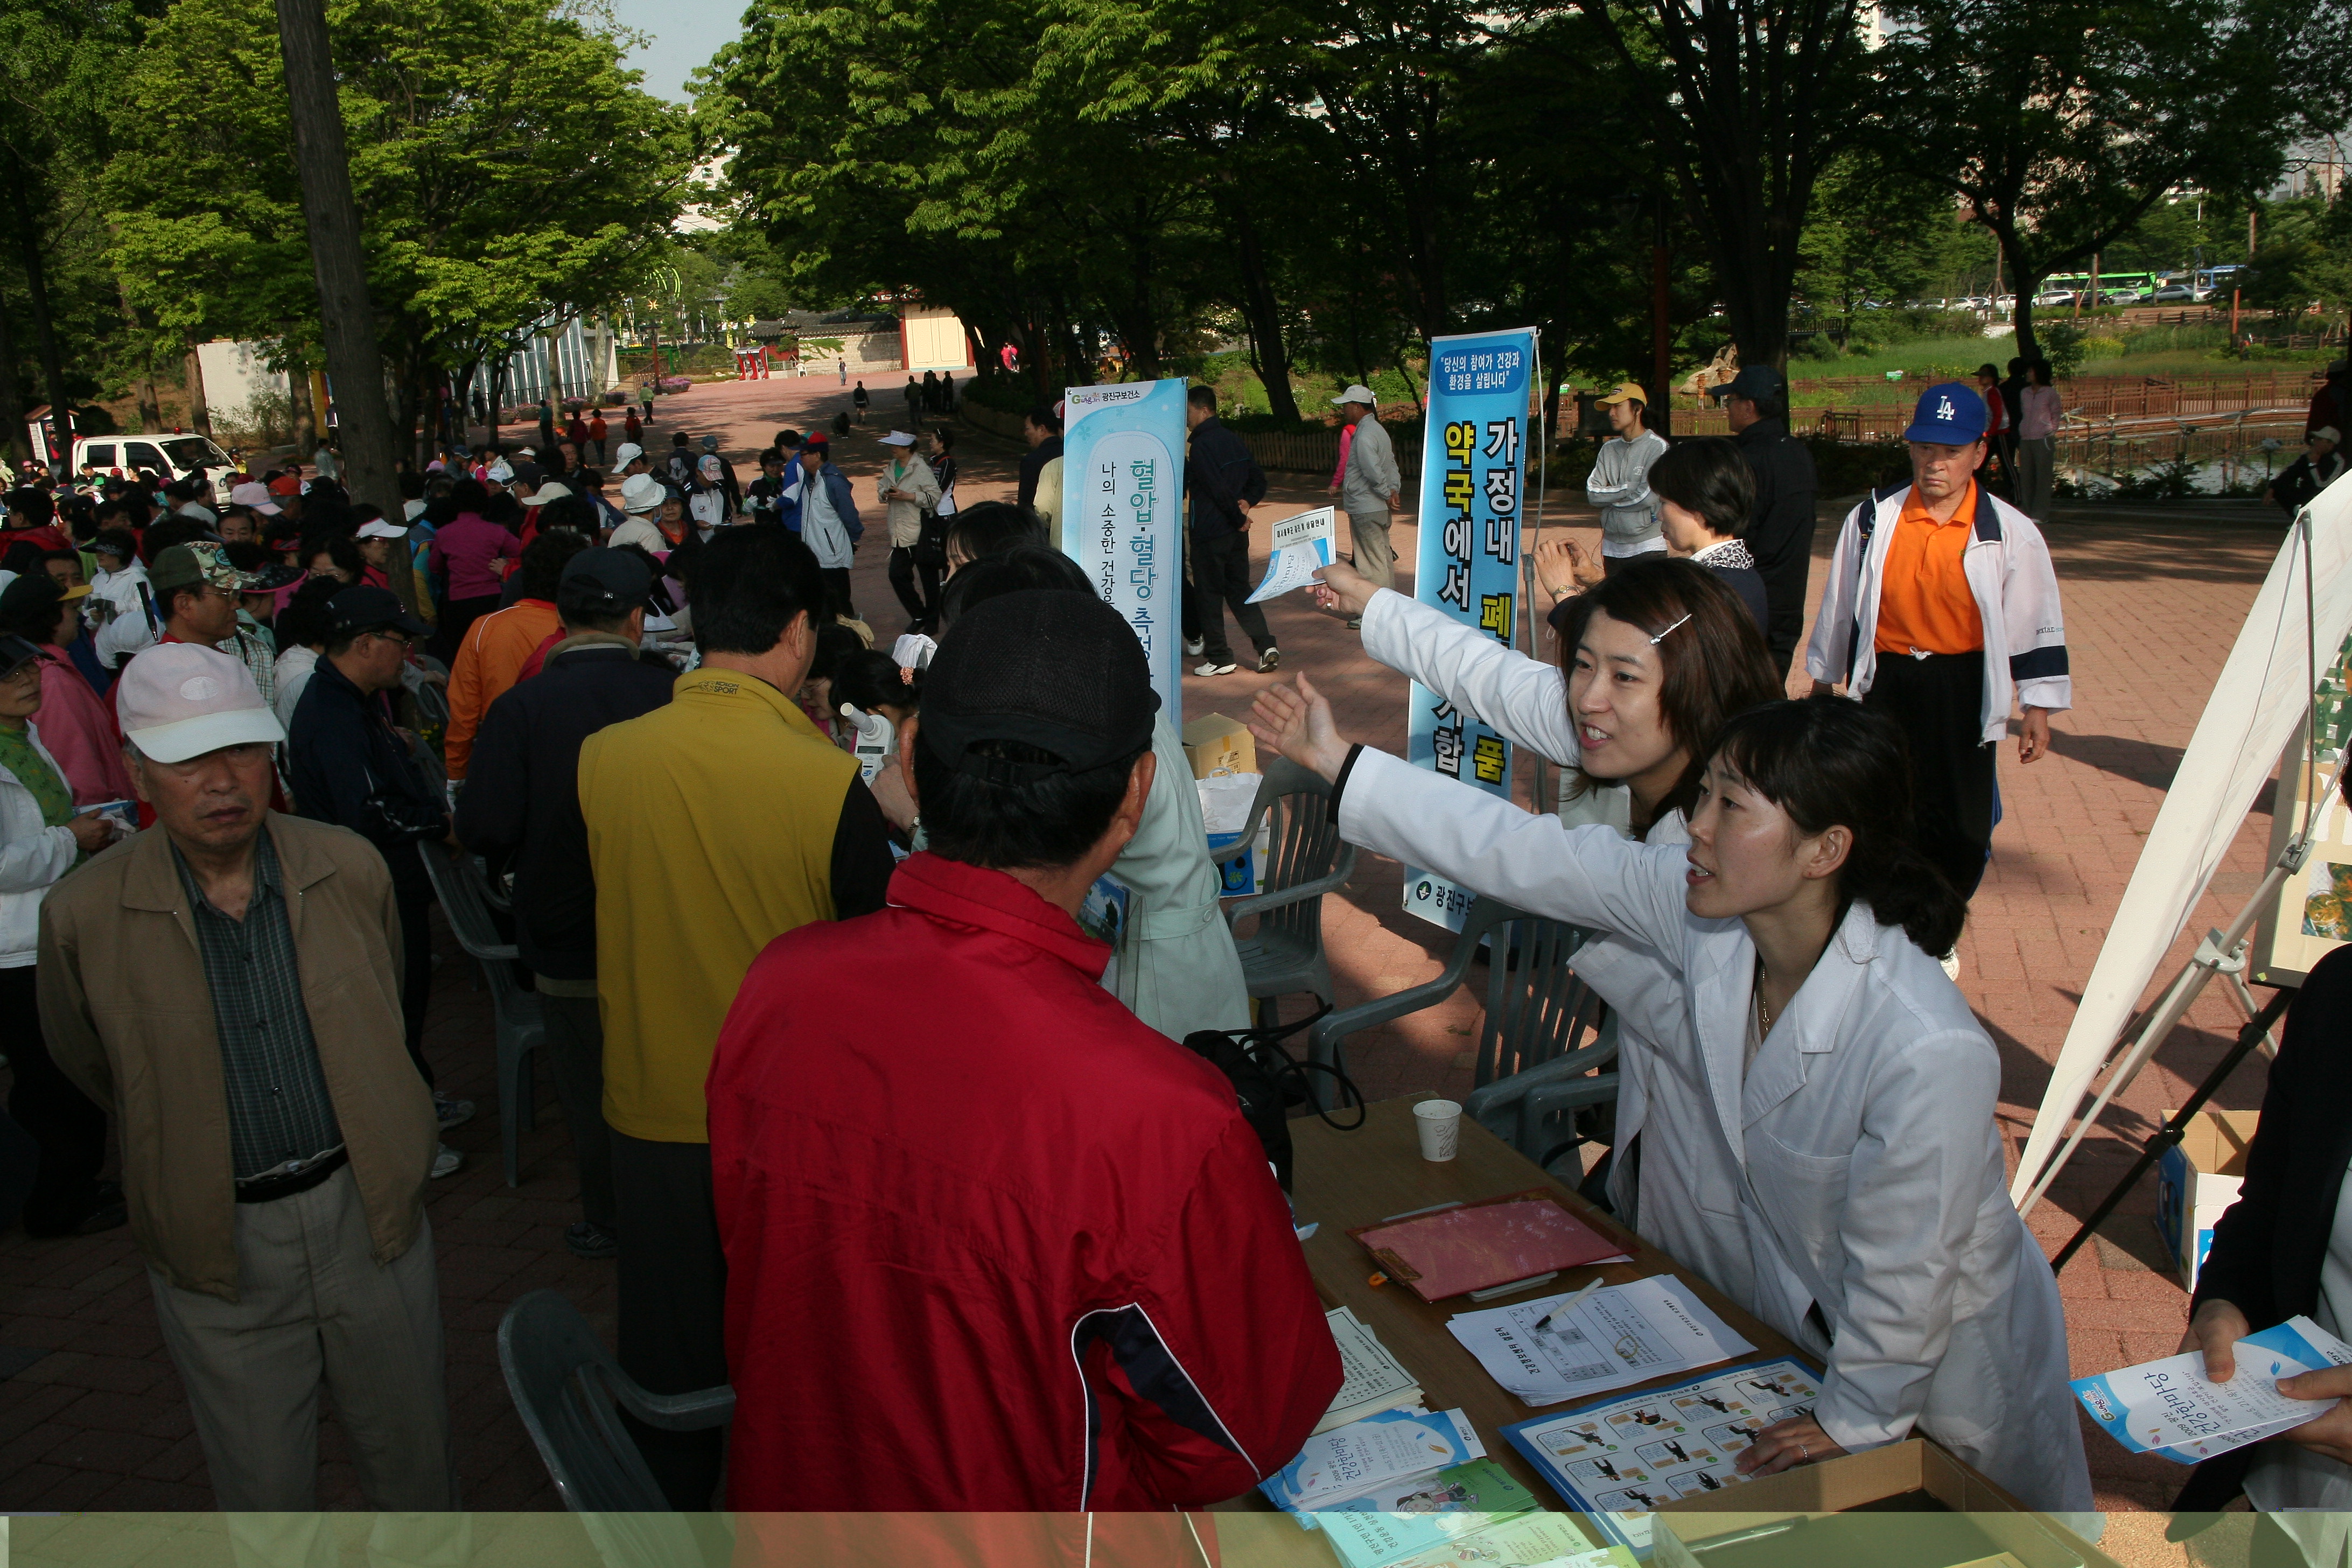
{"points": [[1123, 513], [1473, 487], [2312, 916]]}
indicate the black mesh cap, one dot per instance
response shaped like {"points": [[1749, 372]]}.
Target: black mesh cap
{"points": [[1053, 669]]}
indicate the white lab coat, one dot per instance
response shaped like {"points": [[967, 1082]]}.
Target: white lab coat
{"points": [[1854, 1168], [1527, 700]]}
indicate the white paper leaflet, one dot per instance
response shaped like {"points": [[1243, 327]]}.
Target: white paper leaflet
{"points": [[2169, 1408], [1302, 547], [1350, 1460], [1613, 1337]]}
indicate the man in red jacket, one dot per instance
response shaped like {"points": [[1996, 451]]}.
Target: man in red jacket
{"points": [[992, 1244]]}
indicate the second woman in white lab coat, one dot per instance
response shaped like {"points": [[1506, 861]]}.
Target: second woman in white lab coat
{"points": [[1846, 1183]]}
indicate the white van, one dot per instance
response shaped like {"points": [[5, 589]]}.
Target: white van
{"points": [[169, 456]]}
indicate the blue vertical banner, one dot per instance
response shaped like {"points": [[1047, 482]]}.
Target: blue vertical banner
{"points": [[1472, 479], [1123, 513]]}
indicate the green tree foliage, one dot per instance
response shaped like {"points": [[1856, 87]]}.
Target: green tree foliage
{"points": [[507, 169], [2063, 123]]}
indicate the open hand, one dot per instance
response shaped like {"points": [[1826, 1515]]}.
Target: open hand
{"points": [[1564, 568], [1343, 590], [1295, 722], [1798, 1440]]}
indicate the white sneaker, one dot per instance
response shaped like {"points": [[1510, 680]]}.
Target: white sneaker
{"points": [[1193, 646], [1213, 668], [445, 1163], [1951, 961], [451, 1110]]}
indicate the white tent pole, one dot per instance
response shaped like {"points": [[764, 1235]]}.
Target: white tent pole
{"points": [[2219, 950]]}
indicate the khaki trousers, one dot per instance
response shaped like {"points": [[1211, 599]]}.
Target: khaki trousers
{"points": [[315, 1306], [1375, 556]]}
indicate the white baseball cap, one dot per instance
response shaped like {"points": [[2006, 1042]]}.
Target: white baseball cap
{"points": [[625, 454], [178, 701], [1358, 392], [547, 492], [414, 509], [642, 493], [502, 472], [256, 496], [897, 439], [377, 528]]}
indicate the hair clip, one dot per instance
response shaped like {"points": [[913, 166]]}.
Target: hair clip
{"points": [[1662, 635]]}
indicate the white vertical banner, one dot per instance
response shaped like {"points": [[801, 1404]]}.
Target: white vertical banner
{"points": [[1123, 513]]}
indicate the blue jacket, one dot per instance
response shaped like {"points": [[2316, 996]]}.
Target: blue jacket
{"points": [[844, 503]]}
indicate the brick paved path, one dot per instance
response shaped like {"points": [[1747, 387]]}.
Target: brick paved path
{"points": [[92, 1417]]}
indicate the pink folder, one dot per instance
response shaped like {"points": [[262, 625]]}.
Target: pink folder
{"points": [[1488, 1243]]}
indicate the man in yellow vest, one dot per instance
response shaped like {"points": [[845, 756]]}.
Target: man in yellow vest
{"points": [[715, 825]]}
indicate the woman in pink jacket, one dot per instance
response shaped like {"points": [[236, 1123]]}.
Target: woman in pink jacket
{"points": [[75, 725]]}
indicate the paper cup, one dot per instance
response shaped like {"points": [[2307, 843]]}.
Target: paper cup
{"points": [[1439, 1122]]}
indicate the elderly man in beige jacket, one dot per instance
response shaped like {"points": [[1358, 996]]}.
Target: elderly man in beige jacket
{"points": [[909, 488], [228, 984]]}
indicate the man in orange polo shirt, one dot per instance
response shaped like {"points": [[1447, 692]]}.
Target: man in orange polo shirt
{"points": [[1942, 610]]}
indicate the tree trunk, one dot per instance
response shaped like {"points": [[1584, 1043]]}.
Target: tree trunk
{"points": [[338, 262], [45, 335], [200, 409], [151, 407], [14, 441], [1264, 315]]}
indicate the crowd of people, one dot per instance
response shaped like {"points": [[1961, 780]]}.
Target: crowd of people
{"points": [[842, 1059]]}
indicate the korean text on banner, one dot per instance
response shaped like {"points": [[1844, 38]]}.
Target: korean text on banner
{"points": [[1123, 512], [1473, 476]]}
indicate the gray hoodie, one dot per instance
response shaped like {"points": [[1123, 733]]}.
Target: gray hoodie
{"points": [[1620, 486]]}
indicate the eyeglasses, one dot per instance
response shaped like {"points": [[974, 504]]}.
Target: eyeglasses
{"points": [[400, 637]]}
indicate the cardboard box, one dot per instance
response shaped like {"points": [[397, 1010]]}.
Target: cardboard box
{"points": [[1217, 745], [1682, 1530], [2195, 1179]]}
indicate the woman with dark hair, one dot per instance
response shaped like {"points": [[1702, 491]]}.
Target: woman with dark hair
{"points": [[1628, 713], [1821, 1147], [77, 725], [1705, 492], [470, 552], [988, 528], [335, 555]]}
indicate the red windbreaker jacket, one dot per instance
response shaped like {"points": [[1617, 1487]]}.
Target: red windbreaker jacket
{"points": [[991, 1243]]}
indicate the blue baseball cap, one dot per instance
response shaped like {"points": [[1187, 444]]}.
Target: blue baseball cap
{"points": [[1952, 414]]}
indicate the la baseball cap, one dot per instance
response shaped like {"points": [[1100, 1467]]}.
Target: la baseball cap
{"points": [[1950, 414], [179, 699], [1053, 669]]}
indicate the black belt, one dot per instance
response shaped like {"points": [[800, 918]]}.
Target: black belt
{"points": [[269, 1189]]}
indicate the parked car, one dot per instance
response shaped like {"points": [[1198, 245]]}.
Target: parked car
{"points": [[2120, 297], [2054, 296], [169, 457]]}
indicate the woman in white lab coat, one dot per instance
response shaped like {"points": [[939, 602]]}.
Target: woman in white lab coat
{"points": [[1628, 712], [1846, 1179]]}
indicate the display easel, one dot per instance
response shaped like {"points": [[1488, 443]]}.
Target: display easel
{"points": [[2223, 953]]}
